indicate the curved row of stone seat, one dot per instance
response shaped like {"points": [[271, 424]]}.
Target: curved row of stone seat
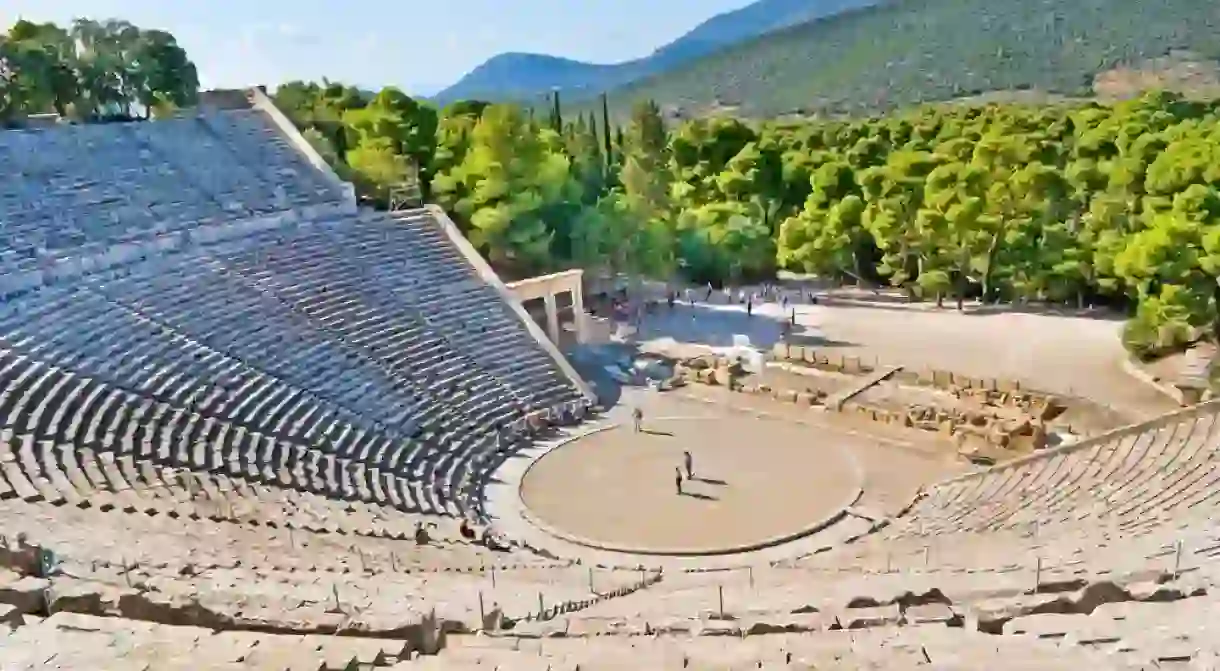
{"points": [[1113, 594], [219, 567], [184, 557], [1166, 467], [400, 268], [73, 186], [201, 300], [68, 640], [72, 641], [334, 298], [114, 524], [49, 413], [254, 143], [466, 309], [218, 523], [714, 647], [380, 361], [124, 348], [138, 347], [112, 342]]}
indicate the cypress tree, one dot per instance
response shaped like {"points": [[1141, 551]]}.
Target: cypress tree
{"points": [[606, 127]]}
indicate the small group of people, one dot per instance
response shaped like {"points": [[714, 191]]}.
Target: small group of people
{"points": [[489, 538], [748, 298], [688, 460], [527, 427]]}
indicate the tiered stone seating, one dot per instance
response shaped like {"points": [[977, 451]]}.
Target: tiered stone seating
{"points": [[313, 336], [226, 403], [1131, 480], [408, 255], [137, 536], [894, 649], [73, 188], [71, 641]]}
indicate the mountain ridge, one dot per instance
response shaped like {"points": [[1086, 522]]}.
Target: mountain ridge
{"points": [[935, 50], [521, 76]]}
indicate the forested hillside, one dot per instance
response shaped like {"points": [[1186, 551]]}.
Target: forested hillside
{"points": [[911, 51], [1068, 204]]}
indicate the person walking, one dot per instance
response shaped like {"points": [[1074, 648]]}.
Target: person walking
{"points": [[637, 417], [678, 480], [689, 462]]}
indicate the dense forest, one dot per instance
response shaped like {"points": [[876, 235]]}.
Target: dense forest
{"points": [[1068, 204], [92, 70]]}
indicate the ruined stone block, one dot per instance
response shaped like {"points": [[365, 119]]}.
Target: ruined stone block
{"points": [[26, 594], [906, 377]]}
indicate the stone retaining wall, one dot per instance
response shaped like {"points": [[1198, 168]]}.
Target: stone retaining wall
{"points": [[854, 365]]}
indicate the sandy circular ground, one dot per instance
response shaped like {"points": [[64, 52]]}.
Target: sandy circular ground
{"points": [[756, 480]]}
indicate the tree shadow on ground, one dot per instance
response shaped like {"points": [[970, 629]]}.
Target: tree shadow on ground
{"points": [[818, 340], [976, 309], [712, 326], [717, 325]]}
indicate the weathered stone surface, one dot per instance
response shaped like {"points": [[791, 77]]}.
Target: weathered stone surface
{"points": [[990, 615], [715, 627], [10, 617], [786, 624], [931, 613], [861, 618], [25, 593]]}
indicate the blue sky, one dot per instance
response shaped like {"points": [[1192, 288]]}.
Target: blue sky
{"points": [[420, 45]]}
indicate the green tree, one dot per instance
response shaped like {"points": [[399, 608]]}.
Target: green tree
{"points": [[644, 173], [511, 182]]}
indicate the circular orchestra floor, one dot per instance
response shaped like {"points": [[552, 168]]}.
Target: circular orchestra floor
{"points": [[756, 481]]}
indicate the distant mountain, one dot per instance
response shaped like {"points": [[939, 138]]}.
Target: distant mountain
{"points": [[521, 76], [906, 52]]}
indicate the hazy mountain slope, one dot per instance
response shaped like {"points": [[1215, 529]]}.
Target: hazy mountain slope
{"points": [[520, 76], [912, 51]]}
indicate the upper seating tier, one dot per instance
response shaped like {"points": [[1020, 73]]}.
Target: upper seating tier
{"points": [[73, 189]]}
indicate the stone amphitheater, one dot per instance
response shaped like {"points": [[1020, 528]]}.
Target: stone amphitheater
{"points": [[251, 425]]}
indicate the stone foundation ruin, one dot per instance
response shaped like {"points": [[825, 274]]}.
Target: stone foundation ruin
{"points": [[987, 419]]}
